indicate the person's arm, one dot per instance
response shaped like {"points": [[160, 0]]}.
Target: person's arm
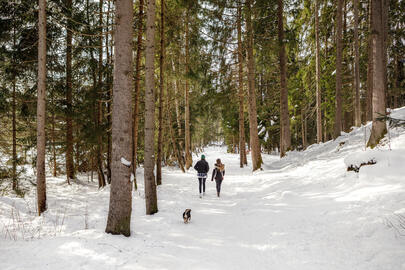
{"points": [[213, 172], [208, 167], [196, 167]]}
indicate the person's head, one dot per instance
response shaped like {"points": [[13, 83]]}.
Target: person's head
{"points": [[202, 156], [218, 161]]}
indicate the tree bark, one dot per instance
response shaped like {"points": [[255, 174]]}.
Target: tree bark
{"points": [[149, 164], [137, 92], [119, 214], [70, 173], [187, 137], [253, 130], [339, 51], [41, 110], [285, 138], [357, 108], [242, 143], [379, 128], [161, 91], [318, 77]]}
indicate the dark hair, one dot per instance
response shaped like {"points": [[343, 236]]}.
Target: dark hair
{"points": [[218, 161]]}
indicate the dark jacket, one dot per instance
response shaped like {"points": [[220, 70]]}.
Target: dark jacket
{"points": [[202, 166], [218, 174]]}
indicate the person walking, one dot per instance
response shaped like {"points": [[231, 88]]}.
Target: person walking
{"points": [[218, 173], [202, 169]]}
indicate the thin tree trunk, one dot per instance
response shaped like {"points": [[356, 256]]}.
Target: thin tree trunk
{"points": [[357, 108], [14, 173], [119, 214], [369, 98], [379, 128], [149, 164], [242, 143], [53, 139], [70, 173], [172, 138], [187, 138], [253, 130], [176, 91], [285, 138], [161, 90], [303, 129], [100, 170], [318, 77], [109, 100], [137, 92], [339, 51], [41, 110]]}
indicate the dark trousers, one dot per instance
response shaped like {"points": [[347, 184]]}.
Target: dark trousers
{"points": [[201, 182], [219, 182]]}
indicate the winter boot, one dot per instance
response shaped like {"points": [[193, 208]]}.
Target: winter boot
{"points": [[217, 193]]}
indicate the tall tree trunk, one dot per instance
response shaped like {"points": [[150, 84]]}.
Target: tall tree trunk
{"points": [[285, 137], [41, 111], [242, 143], [357, 108], [253, 131], [70, 173], [379, 128], [318, 77], [100, 89], [149, 164], [109, 97], [161, 89], [369, 98], [135, 123], [339, 51], [187, 138], [119, 214]]}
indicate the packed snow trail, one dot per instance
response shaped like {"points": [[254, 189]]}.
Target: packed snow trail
{"points": [[303, 212]]}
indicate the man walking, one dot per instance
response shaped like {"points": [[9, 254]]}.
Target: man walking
{"points": [[202, 169]]}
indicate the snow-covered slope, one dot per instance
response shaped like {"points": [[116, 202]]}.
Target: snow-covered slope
{"points": [[302, 212]]}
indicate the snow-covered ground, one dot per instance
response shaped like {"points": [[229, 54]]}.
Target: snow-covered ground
{"points": [[302, 212]]}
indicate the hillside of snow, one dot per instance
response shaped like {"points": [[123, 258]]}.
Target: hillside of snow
{"points": [[303, 212]]}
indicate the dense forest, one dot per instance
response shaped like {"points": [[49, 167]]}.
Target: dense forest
{"points": [[103, 87]]}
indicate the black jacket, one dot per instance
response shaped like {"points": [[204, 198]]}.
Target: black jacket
{"points": [[202, 166]]}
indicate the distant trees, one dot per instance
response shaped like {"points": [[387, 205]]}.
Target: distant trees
{"points": [[330, 66]]}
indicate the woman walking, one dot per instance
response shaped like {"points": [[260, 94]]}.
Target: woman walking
{"points": [[218, 173]]}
